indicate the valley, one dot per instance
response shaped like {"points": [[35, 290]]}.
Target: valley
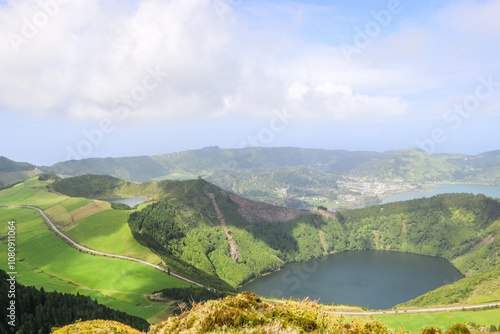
{"points": [[265, 237]]}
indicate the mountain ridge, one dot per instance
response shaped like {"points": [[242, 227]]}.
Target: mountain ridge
{"points": [[215, 158]]}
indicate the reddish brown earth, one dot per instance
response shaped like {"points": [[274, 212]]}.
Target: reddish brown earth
{"points": [[255, 212]]}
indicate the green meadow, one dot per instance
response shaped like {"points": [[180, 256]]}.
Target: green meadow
{"points": [[105, 231], [16, 194], [414, 322], [75, 203], [44, 260], [108, 231]]}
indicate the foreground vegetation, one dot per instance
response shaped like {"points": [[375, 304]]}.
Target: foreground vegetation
{"points": [[248, 313]]}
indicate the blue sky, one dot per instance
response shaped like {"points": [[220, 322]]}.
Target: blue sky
{"points": [[94, 78]]}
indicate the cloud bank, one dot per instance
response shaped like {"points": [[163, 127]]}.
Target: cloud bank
{"points": [[161, 60]]}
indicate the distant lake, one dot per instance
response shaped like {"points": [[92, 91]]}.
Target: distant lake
{"points": [[130, 201], [491, 191], [374, 279]]}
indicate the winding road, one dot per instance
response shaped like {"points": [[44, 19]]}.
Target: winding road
{"points": [[77, 245], [116, 256]]}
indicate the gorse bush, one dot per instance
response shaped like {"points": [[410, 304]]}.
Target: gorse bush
{"points": [[458, 329], [96, 326]]}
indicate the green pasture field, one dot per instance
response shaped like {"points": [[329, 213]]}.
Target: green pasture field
{"points": [[22, 194], [75, 203], [16, 194], [108, 231], [45, 260], [43, 199], [35, 183], [59, 215], [414, 322]]}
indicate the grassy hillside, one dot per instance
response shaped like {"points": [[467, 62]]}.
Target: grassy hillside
{"points": [[97, 326], [45, 260]]}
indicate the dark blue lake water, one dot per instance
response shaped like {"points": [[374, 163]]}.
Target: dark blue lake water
{"points": [[374, 279]]}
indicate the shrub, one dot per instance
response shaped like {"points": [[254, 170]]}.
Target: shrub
{"points": [[120, 206], [458, 329], [48, 176]]}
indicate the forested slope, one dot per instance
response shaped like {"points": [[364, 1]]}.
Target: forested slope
{"points": [[462, 228]]}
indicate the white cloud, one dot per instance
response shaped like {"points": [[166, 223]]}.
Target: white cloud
{"points": [[296, 91], [472, 17], [93, 53], [338, 102]]}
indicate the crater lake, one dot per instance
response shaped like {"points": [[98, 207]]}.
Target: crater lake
{"points": [[373, 279]]}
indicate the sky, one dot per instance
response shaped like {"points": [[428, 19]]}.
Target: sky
{"points": [[114, 78]]}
